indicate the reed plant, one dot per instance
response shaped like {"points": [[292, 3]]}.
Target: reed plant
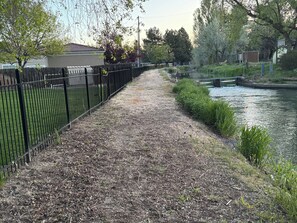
{"points": [[224, 118], [196, 100], [254, 144], [285, 179]]}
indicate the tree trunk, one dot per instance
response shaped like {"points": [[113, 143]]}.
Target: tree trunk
{"points": [[21, 63]]}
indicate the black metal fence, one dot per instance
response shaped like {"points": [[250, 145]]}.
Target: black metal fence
{"points": [[37, 104]]}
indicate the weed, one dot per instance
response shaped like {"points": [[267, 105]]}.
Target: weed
{"points": [[183, 198], [196, 190], [244, 203], [267, 216], [285, 178], [57, 137], [170, 70], [2, 180], [254, 144], [214, 198]]}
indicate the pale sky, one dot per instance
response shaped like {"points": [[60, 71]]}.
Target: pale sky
{"points": [[163, 14], [167, 14]]}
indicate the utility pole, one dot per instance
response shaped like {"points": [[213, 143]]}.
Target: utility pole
{"points": [[138, 43]]}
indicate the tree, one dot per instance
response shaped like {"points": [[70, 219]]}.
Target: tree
{"points": [[90, 17], [211, 44], [236, 29], [27, 31], [264, 39], [278, 14], [155, 50], [116, 52], [180, 44], [154, 36], [156, 53], [208, 10]]}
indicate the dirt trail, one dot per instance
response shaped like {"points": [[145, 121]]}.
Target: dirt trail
{"points": [[133, 160]]}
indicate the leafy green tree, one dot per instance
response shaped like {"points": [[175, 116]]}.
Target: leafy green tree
{"points": [[236, 29], [264, 39], [27, 31], [158, 53], [155, 50], [180, 44], [278, 14]]}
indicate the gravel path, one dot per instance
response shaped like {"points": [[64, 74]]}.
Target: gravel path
{"points": [[133, 160]]}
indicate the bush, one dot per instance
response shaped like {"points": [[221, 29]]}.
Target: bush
{"points": [[289, 60], [171, 70], [254, 144], [196, 100], [224, 118], [190, 86], [285, 178]]}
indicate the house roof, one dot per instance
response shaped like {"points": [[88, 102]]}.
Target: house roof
{"points": [[75, 47]]}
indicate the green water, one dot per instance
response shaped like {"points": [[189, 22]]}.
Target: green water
{"points": [[275, 110]]}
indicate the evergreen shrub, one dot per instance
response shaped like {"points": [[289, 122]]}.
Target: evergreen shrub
{"points": [[289, 60]]}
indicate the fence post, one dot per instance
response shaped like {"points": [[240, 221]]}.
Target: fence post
{"points": [[100, 84], [114, 81], [66, 95], [108, 85], [262, 69], [23, 115], [87, 87]]}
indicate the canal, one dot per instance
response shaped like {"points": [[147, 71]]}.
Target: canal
{"points": [[275, 110]]}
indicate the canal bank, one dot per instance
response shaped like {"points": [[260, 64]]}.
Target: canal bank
{"points": [[139, 158], [248, 83]]}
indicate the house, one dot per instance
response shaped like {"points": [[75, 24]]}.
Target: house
{"points": [[77, 55], [249, 56], [281, 50], [74, 55]]}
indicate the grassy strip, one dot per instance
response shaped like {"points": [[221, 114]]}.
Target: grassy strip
{"points": [[196, 100], [253, 143], [250, 70]]}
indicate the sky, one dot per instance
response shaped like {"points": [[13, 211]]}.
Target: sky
{"points": [[163, 14], [166, 14]]}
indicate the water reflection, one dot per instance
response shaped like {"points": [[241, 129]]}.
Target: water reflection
{"points": [[275, 110]]}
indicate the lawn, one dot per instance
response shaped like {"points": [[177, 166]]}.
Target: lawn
{"points": [[45, 112]]}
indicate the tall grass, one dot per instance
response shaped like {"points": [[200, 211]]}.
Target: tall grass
{"points": [[196, 100], [285, 179], [254, 144], [224, 118]]}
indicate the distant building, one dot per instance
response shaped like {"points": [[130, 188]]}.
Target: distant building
{"points": [[77, 55], [74, 55], [281, 50], [249, 56]]}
